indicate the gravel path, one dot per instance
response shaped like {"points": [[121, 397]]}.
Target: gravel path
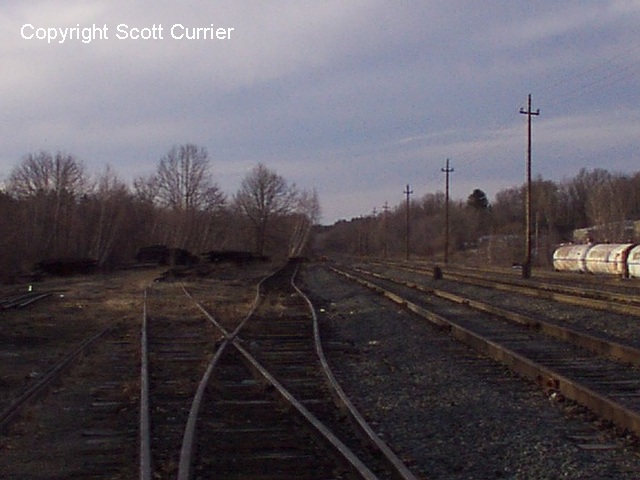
{"points": [[448, 412]]}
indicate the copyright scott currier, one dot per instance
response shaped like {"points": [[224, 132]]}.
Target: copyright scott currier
{"points": [[123, 31]]}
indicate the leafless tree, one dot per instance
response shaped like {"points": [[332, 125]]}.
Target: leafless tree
{"points": [[49, 185], [46, 173], [146, 189], [607, 207], [184, 180], [305, 216], [109, 207], [12, 249], [183, 186], [264, 194]]}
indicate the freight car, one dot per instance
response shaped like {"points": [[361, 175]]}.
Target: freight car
{"points": [[621, 259]]}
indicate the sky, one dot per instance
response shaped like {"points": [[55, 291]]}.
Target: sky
{"points": [[353, 98]]}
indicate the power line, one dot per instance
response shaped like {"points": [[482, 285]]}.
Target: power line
{"points": [[597, 76]]}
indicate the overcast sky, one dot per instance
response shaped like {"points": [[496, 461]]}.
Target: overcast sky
{"points": [[355, 98]]}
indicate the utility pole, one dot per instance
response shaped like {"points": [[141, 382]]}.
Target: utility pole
{"points": [[446, 171], [385, 208], [526, 267], [407, 192]]}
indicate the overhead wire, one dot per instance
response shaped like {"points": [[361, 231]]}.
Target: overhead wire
{"points": [[600, 75]]}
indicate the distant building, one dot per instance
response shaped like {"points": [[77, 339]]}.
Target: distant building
{"points": [[618, 232]]}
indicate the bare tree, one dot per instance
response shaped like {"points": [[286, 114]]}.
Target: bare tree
{"points": [[306, 215], [12, 249], [146, 189], [46, 173], [108, 206], [184, 181], [264, 194], [49, 185], [184, 186], [608, 207]]}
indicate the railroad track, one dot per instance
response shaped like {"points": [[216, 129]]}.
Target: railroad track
{"points": [[80, 414], [178, 341], [35, 388], [625, 301], [264, 406], [21, 300], [603, 345], [608, 387], [240, 396], [613, 282]]}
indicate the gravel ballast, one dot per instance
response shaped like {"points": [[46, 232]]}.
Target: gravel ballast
{"points": [[447, 411]]}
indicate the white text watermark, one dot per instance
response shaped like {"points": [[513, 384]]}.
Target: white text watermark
{"points": [[123, 31]]}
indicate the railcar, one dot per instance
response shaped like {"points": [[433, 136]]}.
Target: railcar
{"points": [[608, 258], [571, 258], [633, 262], [621, 259]]}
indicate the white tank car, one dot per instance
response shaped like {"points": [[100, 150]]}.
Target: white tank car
{"points": [[608, 258], [570, 258]]}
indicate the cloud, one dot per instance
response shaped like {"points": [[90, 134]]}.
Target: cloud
{"points": [[549, 21], [353, 97]]}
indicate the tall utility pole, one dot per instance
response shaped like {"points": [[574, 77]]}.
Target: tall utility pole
{"points": [[385, 208], [526, 267], [407, 192], [446, 171]]}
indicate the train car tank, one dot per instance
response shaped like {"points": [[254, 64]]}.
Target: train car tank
{"points": [[571, 258], [608, 258], [633, 262]]}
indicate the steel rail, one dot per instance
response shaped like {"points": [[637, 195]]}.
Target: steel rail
{"points": [[608, 301], [604, 407], [346, 453], [186, 450], [554, 276], [628, 304], [21, 301], [33, 299], [11, 412], [608, 348], [145, 426], [231, 338], [373, 437]]}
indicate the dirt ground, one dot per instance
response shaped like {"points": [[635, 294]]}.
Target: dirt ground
{"points": [[398, 379], [58, 436], [35, 338]]}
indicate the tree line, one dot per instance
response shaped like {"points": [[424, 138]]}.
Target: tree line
{"points": [[51, 207], [482, 232]]}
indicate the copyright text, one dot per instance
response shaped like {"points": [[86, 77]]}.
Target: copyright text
{"points": [[123, 31]]}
